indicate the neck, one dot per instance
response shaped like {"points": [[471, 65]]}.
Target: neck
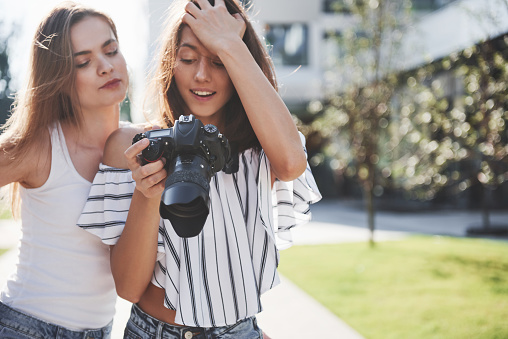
{"points": [[96, 127]]}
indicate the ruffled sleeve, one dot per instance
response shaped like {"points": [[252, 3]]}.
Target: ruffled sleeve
{"points": [[108, 202], [291, 200]]}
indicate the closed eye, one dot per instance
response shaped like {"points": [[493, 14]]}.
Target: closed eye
{"points": [[83, 65]]}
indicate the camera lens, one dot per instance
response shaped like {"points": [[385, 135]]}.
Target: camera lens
{"points": [[185, 201], [195, 207]]}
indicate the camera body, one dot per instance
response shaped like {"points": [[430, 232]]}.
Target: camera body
{"points": [[193, 153]]}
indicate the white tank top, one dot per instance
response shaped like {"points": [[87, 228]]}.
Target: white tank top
{"points": [[63, 274]]}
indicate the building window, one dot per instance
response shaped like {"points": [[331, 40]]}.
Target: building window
{"points": [[288, 43], [430, 5], [335, 6], [331, 49]]}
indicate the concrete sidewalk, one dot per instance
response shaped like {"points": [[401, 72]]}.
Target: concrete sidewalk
{"points": [[445, 222]]}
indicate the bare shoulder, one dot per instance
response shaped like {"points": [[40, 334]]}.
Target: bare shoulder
{"points": [[30, 168], [117, 143]]}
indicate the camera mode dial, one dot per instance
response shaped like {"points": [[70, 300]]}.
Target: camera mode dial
{"points": [[211, 130]]}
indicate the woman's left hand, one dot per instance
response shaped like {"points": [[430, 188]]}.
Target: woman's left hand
{"points": [[214, 26]]}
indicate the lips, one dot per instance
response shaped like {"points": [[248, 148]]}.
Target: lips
{"points": [[202, 93], [111, 84]]}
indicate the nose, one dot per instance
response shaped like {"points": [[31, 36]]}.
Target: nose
{"points": [[203, 70], [105, 66]]}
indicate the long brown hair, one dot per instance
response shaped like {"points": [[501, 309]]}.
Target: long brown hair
{"points": [[170, 104], [49, 94]]}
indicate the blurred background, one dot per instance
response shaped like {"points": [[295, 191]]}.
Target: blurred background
{"points": [[403, 103]]}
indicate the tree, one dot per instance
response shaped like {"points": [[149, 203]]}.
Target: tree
{"points": [[357, 111], [453, 115], [417, 153], [485, 104], [478, 121]]}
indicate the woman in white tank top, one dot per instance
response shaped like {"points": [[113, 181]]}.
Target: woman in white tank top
{"points": [[50, 150]]}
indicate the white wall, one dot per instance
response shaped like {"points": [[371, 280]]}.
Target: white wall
{"points": [[455, 27], [288, 10], [297, 85]]}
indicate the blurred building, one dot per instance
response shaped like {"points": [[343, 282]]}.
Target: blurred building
{"points": [[303, 50], [299, 35]]}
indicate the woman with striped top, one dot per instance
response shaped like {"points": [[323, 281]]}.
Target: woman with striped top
{"points": [[212, 65]]}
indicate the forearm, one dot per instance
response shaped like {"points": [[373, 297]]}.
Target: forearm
{"points": [[133, 257], [267, 113]]}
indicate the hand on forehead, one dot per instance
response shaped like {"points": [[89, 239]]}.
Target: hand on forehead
{"points": [[213, 25]]}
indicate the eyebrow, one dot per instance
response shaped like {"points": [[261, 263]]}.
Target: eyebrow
{"points": [[195, 48], [110, 41], [188, 45]]}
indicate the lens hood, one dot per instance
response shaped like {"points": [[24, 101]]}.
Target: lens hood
{"points": [[186, 206]]}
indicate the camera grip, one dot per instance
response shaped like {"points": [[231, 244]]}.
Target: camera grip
{"points": [[153, 152]]}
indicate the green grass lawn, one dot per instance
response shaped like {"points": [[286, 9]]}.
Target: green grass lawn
{"points": [[421, 287], [5, 214], [5, 211]]}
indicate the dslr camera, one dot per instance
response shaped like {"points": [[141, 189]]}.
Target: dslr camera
{"points": [[194, 153]]}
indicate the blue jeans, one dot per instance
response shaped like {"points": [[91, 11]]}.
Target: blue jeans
{"points": [[18, 325], [143, 326]]}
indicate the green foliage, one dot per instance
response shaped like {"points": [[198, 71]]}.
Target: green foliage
{"points": [[125, 110], [5, 78], [439, 127], [353, 118], [421, 287], [454, 139], [5, 211]]}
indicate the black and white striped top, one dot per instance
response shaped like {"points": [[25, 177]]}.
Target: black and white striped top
{"points": [[216, 278]]}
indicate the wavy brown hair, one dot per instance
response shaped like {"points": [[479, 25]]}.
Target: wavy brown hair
{"points": [[170, 104], [49, 94]]}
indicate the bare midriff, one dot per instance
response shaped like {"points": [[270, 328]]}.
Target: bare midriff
{"points": [[152, 303]]}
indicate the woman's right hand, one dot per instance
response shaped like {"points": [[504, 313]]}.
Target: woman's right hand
{"points": [[150, 178], [134, 255], [213, 25]]}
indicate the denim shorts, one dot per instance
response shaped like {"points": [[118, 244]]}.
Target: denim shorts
{"points": [[143, 326], [18, 325]]}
